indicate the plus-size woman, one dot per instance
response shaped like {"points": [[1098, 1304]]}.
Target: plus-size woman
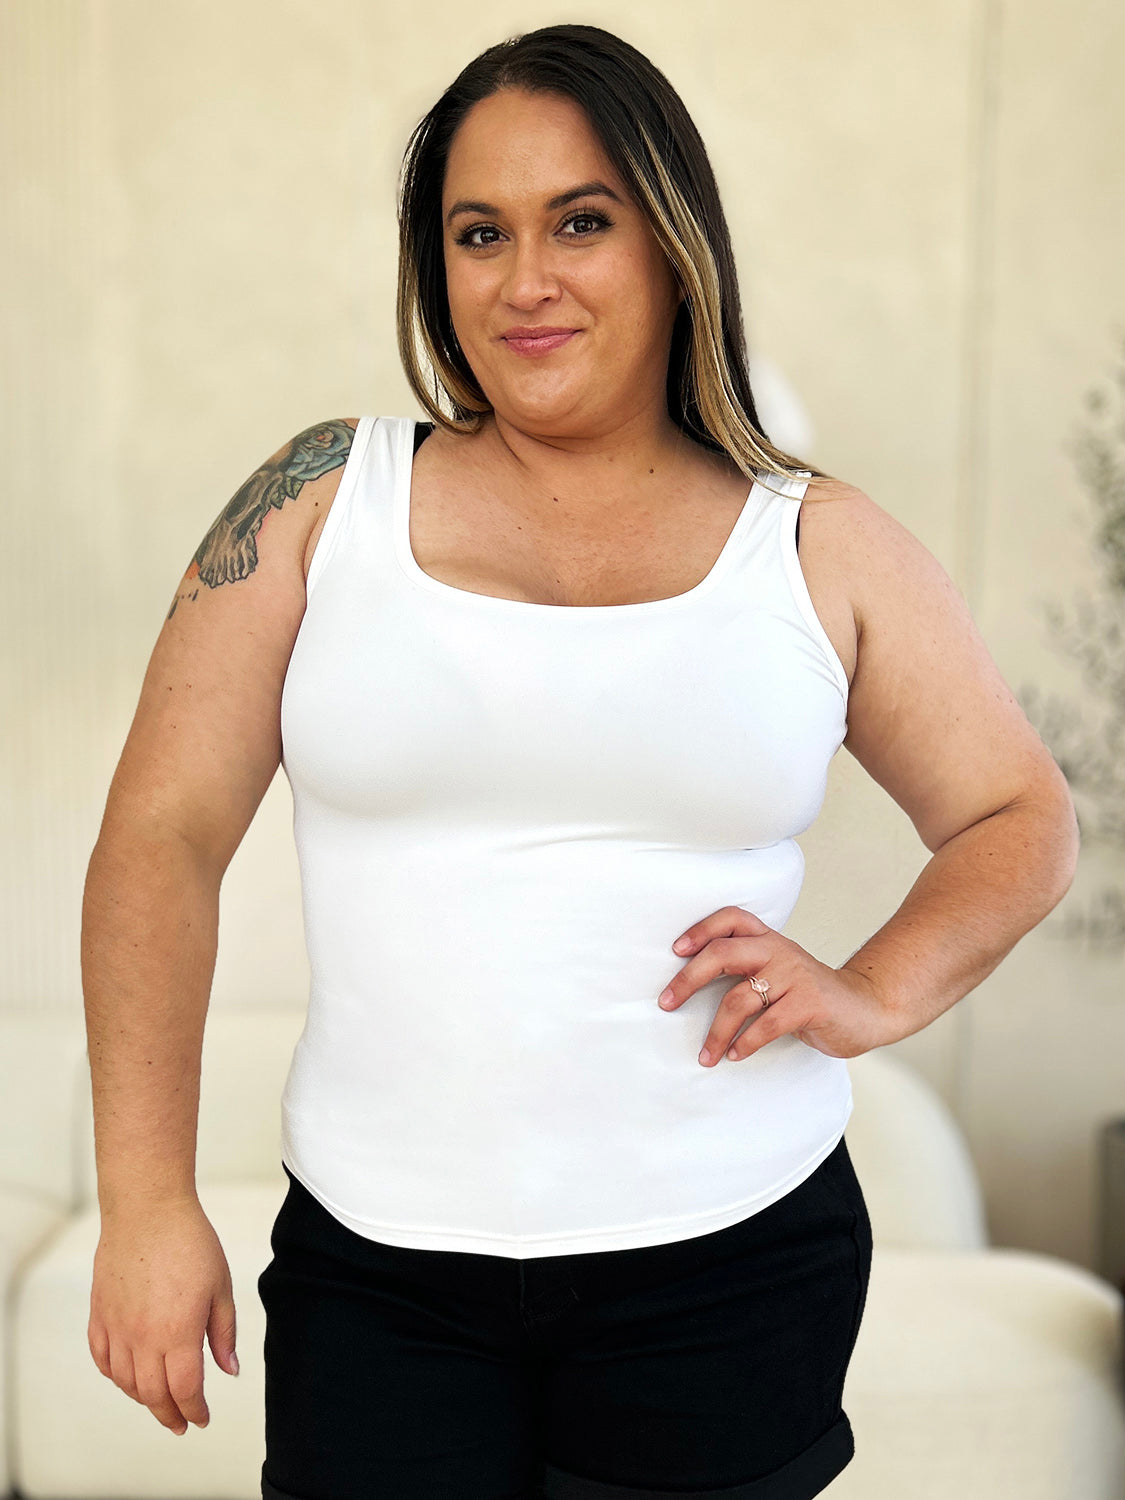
{"points": [[556, 677]]}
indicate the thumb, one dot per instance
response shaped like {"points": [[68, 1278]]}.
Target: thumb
{"points": [[221, 1329]]}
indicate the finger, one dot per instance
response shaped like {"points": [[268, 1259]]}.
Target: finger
{"points": [[184, 1367], [153, 1392], [98, 1340], [736, 956], [764, 1028], [728, 921], [739, 1002], [121, 1368], [222, 1332]]}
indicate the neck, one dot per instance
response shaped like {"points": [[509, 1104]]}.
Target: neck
{"points": [[593, 467]]}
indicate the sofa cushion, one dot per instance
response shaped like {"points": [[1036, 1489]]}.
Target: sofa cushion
{"points": [[27, 1221], [912, 1160], [985, 1374]]}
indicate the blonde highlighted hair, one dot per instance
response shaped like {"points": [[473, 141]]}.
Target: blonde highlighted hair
{"points": [[653, 143]]}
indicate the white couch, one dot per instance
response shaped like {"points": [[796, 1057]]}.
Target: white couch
{"points": [[979, 1373]]}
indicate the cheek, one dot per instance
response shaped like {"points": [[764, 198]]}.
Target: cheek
{"points": [[469, 296], [632, 295]]}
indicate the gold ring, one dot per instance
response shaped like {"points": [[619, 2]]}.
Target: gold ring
{"points": [[762, 987]]}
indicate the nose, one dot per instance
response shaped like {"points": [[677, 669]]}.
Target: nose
{"points": [[531, 277]]}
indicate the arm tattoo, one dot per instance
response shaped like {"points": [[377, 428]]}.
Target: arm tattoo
{"points": [[229, 552]]}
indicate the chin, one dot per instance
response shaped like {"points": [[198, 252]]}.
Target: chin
{"points": [[550, 413]]}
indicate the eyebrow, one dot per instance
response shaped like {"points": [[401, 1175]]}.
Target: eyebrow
{"points": [[585, 190]]}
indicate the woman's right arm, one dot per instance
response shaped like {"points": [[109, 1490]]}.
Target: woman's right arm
{"points": [[204, 745]]}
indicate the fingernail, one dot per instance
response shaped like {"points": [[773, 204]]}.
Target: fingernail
{"points": [[705, 1056], [681, 943], [234, 1362], [665, 997]]}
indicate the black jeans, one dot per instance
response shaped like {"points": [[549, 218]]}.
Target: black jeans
{"points": [[711, 1366]]}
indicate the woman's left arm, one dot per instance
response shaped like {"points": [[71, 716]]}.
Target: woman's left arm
{"points": [[931, 719], [933, 722]]}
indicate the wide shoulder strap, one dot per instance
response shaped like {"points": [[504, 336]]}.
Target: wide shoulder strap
{"points": [[359, 526]]}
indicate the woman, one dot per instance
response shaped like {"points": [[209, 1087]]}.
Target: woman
{"points": [[554, 695]]}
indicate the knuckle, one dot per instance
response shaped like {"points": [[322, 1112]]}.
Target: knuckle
{"points": [[168, 1406], [186, 1388], [731, 954], [184, 1373], [154, 1396], [122, 1376]]}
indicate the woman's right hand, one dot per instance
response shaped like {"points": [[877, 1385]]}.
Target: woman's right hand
{"points": [[161, 1283]]}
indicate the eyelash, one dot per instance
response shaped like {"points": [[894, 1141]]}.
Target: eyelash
{"points": [[602, 220]]}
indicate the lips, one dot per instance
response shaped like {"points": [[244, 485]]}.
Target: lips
{"points": [[537, 341]]}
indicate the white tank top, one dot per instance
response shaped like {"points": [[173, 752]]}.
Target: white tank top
{"points": [[505, 813]]}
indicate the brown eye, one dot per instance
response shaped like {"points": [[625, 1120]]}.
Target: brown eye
{"points": [[599, 222], [465, 237]]}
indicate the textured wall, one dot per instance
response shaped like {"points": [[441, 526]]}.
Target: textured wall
{"points": [[927, 209]]}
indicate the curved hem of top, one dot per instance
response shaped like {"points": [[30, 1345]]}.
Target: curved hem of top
{"points": [[634, 1238], [800, 1479]]}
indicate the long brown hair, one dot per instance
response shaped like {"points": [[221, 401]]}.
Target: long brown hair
{"points": [[653, 143]]}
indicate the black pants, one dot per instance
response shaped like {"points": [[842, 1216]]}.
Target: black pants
{"points": [[711, 1366]]}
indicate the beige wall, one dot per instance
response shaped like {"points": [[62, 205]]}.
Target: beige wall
{"points": [[928, 215]]}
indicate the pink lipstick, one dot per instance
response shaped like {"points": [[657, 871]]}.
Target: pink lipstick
{"points": [[537, 341]]}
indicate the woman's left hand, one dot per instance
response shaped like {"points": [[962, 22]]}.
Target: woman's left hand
{"points": [[837, 1011]]}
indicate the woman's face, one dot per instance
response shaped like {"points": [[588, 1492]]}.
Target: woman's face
{"points": [[525, 251]]}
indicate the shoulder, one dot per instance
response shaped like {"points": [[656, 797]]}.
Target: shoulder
{"points": [[315, 460], [316, 450], [884, 567]]}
